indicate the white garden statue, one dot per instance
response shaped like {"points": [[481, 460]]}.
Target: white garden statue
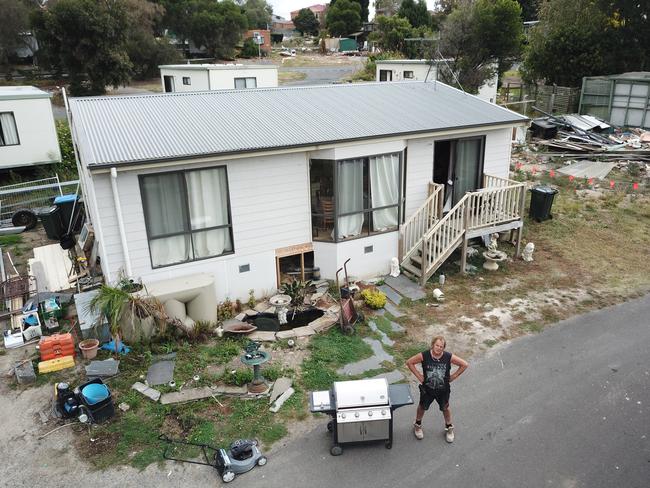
{"points": [[527, 255], [394, 267]]}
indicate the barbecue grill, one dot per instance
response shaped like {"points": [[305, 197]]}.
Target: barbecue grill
{"points": [[361, 410]]}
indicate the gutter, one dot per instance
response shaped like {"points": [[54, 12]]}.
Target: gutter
{"points": [[120, 222]]}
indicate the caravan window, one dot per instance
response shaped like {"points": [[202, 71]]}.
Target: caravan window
{"points": [[8, 131], [187, 215], [241, 83]]}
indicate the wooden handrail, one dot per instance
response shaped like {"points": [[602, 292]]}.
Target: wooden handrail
{"points": [[420, 222]]}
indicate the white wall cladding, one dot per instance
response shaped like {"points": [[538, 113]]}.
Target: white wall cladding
{"points": [[269, 199], [270, 208], [38, 143]]}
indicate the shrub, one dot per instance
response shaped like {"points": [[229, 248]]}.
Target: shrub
{"points": [[224, 310], [374, 299]]}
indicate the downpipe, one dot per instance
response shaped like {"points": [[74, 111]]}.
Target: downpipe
{"points": [[120, 222]]}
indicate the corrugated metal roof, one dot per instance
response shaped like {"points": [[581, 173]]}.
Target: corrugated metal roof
{"points": [[22, 92], [139, 128], [208, 67]]}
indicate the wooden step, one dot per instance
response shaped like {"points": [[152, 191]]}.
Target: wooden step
{"points": [[412, 270]]}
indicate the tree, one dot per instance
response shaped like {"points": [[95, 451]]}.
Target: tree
{"points": [[87, 39], [480, 38], [344, 17], [365, 11], [391, 33], [146, 52], [416, 13], [571, 41], [528, 9], [249, 49], [387, 7], [218, 26], [306, 22], [258, 13], [15, 20]]}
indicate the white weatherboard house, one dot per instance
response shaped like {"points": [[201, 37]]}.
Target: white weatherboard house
{"points": [[27, 131], [179, 184], [201, 77], [426, 70]]}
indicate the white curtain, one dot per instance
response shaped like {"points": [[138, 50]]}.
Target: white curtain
{"points": [[468, 153], [384, 188], [350, 197], [165, 214], [208, 200], [8, 133]]}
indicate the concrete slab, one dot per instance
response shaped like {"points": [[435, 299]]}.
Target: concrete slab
{"points": [[392, 377], [262, 335], [186, 395], [406, 287], [279, 387], [160, 373], [395, 327], [384, 338], [392, 309], [304, 331], [391, 294], [260, 307], [146, 391], [587, 169], [373, 362], [102, 369], [286, 334], [230, 390], [280, 401], [324, 323]]}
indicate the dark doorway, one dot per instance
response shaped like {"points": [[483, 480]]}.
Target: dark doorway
{"points": [[458, 164], [385, 75], [169, 83]]}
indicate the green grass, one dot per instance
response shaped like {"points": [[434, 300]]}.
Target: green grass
{"points": [[10, 240], [329, 352], [490, 342], [532, 327]]}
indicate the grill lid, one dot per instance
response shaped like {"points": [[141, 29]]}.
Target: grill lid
{"points": [[361, 393]]}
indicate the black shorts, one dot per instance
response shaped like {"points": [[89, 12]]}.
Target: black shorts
{"points": [[427, 396]]}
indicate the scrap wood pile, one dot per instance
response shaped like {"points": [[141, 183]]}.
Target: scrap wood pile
{"points": [[584, 136]]}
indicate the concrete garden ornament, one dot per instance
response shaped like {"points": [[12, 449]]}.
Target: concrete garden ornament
{"points": [[527, 255], [493, 256], [394, 267]]}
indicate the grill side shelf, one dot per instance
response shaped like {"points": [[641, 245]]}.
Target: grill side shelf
{"points": [[400, 395], [322, 402]]}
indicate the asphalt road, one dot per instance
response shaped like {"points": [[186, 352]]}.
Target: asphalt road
{"points": [[566, 408]]}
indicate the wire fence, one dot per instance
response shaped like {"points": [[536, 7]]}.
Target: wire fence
{"points": [[30, 195]]}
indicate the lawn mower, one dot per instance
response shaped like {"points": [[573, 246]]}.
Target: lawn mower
{"points": [[240, 457]]}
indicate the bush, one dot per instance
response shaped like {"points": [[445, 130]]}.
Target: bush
{"points": [[250, 49], [374, 299]]}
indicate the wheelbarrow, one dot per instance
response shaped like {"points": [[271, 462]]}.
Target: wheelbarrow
{"points": [[348, 315]]}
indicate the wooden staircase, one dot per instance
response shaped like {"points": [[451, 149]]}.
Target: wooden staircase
{"points": [[428, 238]]}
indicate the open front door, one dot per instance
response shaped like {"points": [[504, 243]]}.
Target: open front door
{"points": [[458, 164]]}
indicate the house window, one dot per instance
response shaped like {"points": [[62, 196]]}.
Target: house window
{"points": [[408, 75], [187, 215], [8, 131], [385, 75], [241, 83], [186, 80], [355, 197]]}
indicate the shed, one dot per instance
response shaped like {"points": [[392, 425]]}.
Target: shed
{"points": [[201, 77]]}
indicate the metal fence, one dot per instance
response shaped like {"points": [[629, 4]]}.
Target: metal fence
{"points": [[622, 100], [521, 97], [30, 195]]}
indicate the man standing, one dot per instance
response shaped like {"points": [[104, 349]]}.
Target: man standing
{"points": [[434, 382]]}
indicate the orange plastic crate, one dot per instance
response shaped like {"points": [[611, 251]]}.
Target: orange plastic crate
{"points": [[56, 346]]}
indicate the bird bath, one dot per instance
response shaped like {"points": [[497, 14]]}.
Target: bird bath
{"points": [[281, 304], [492, 259], [255, 358]]}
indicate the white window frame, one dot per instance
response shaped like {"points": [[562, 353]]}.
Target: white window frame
{"points": [[187, 80], [249, 82], [3, 132]]}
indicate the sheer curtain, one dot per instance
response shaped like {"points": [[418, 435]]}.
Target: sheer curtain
{"points": [[165, 214], [208, 200], [466, 169], [350, 197], [8, 132], [384, 188]]}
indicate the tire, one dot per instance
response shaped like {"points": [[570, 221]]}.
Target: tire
{"points": [[228, 476], [330, 426], [24, 217], [262, 461], [336, 450], [348, 330], [388, 444]]}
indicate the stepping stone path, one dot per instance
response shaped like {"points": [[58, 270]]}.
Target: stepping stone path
{"points": [[392, 377], [373, 362], [405, 287], [384, 338], [391, 294], [392, 309]]}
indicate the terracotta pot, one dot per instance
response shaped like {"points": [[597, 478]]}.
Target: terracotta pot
{"points": [[88, 348]]}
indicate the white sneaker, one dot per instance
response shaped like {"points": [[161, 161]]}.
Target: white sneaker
{"points": [[449, 434], [419, 433]]}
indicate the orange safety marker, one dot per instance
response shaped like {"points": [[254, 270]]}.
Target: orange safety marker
{"points": [[552, 173], [590, 181], [611, 184], [635, 186], [571, 177]]}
